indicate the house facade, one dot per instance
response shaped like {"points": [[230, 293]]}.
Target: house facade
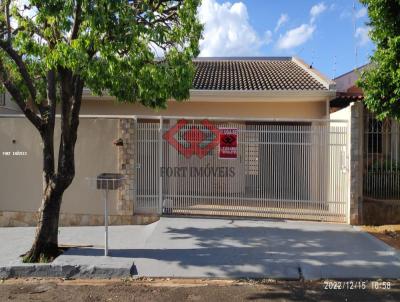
{"points": [[380, 148], [281, 87], [290, 160]]}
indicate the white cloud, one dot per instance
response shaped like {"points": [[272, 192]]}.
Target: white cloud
{"points": [[316, 10], [362, 12], [282, 20], [227, 31], [345, 14], [268, 37], [348, 13], [361, 35], [301, 34], [296, 36]]}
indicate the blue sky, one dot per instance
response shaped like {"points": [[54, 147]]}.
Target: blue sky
{"points": [[320, 32]]}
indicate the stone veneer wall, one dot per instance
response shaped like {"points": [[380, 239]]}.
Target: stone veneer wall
{"points": [[126, 162], [24, 219]]}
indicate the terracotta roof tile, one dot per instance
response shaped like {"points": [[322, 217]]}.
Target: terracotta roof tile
{"points": [[343, 99], [253, 74]]}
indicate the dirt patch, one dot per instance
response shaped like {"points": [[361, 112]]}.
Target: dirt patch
{"points": [[149, 289], [389, 234]]}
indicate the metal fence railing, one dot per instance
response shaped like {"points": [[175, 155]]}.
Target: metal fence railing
{"points": [[295, 170], [381, 158]]}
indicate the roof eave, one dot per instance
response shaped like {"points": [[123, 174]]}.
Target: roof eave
{"points": [[240, 94], [265, 94]]}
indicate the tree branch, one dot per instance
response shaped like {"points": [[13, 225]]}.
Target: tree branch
{"points": [[71, 96], [48, 129], [8, 23], [76, 105], [51, 96], [18, 98], [6, 46], [77, 19], [66, 102], [168, 13]]}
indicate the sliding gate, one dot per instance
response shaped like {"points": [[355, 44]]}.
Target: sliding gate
{"points": [[285, 169]]}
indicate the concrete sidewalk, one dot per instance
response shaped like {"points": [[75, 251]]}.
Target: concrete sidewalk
{"points": [[216, 248]]}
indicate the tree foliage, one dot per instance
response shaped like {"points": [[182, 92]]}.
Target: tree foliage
{"points": [[381, 82], [51, 49], [108, 44]]}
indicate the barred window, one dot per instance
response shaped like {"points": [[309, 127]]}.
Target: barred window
{"points": [[375, 129]]}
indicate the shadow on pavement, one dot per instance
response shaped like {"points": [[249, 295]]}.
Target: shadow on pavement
{"points": [[236, 250]]}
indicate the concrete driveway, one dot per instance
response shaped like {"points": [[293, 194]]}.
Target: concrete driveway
{"points": [[224, 248]]}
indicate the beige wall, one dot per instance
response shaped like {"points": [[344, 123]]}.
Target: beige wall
{"points": [[216, 108], [20, 177], [342, 114], [4, 110], [284, 109], [9, 106]]}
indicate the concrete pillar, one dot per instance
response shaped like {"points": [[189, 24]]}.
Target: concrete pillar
{"points": [[356, 162]]}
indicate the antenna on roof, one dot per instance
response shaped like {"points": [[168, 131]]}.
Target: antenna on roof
{"points": [[354, 36], [334, 67], [312, 57]]}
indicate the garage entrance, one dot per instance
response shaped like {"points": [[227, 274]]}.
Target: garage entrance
{"points": [[285, 169]]}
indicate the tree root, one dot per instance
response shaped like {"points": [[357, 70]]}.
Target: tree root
{"points": [[44, 254]]}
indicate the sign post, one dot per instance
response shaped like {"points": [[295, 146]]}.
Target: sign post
{"points": [[105, 192]]}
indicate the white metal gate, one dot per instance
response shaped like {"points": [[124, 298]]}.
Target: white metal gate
{"points": [[284, 169]]}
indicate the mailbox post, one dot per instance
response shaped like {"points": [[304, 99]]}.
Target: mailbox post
{"points": [[106, 182]]}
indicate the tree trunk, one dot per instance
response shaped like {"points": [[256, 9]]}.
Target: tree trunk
{"points": [[45, 246]]}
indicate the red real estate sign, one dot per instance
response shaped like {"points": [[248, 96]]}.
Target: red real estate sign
{"points": [[228, 143]]}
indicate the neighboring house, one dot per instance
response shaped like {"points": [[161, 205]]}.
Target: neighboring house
{"points": [[347, 90], [290, 160], [380, 147]]}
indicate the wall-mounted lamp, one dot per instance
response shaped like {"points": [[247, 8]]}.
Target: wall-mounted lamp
{"points": [[118, 142]]}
